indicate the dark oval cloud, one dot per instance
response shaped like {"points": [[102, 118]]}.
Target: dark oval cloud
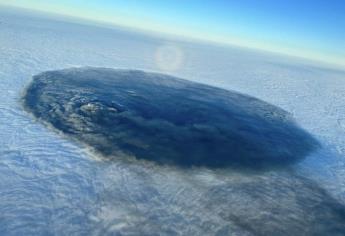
{"points": [[166, 119]]}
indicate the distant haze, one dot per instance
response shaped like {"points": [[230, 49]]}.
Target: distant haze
{"points": [[310, 29]]}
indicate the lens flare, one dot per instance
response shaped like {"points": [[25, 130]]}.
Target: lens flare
{"points": [[169, 57]]}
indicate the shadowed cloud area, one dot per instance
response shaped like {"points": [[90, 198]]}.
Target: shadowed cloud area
{"points": [[280, 203], [166, 120]]}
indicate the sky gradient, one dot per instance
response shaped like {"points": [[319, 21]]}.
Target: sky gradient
{"points": [[313, 29]]}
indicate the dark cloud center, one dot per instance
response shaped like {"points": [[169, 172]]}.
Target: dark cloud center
{"points": [[166, 120]]}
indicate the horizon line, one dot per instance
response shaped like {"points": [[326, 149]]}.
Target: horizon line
{"points": [[185, 36]]}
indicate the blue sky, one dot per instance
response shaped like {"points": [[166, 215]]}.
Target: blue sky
{"points": [[307, 28]]}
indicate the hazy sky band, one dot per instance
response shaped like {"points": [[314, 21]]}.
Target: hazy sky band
{"points": [[313, 29]]}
